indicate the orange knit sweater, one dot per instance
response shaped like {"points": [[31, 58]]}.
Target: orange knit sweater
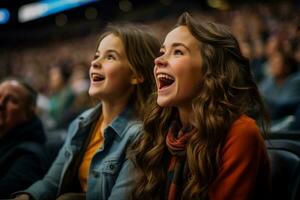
{"points": [[245, 168]]}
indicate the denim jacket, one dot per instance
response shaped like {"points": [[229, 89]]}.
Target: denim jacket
{"points": [[110, 175]]}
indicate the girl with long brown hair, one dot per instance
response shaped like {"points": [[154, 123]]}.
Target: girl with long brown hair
{"points": [[200, 138], [92, 164]]}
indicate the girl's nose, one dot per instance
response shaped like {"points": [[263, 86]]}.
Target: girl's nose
{"points": [[96, 63]]}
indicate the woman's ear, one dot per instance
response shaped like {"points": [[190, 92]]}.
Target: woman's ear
{"points": [[136, 79]]}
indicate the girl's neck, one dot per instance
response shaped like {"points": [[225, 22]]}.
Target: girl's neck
{"points": [[110, 111]]}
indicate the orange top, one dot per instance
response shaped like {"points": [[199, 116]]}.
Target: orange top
{"points": [[95, 143], [245, 168]]}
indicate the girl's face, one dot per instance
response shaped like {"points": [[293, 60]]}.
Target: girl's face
{"points": [[110, 71], [178, 70]]}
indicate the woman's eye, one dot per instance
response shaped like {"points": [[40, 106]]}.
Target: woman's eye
{"points": [[110, 57], [178, 52]]}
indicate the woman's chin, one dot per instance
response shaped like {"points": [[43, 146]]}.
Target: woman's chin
{"points": [[162, 102]]}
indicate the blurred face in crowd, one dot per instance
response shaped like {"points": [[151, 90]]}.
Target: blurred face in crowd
{"points": [[13, 105], [246, 49], [56, 79], [277, 68], [272, 45], [297, 54], [178, 70], [110, 71]]}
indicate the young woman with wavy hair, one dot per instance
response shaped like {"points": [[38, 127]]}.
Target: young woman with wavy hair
{"points": [[200, 138]]}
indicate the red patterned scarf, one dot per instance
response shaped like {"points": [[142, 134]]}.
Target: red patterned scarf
{"points": [[176, 141]]}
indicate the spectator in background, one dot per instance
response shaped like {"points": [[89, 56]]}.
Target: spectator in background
{"points": [[61, 94], [79, 79], [79, 82], [297, 51], [22, 153], [281, 90], [200, 139], [256, 63], [93, 163], [259, 64], [295, 122]]}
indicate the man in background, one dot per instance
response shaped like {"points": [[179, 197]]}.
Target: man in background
{"points": [[22, 155]]}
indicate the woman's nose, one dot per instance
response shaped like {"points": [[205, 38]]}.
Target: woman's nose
{"points": [[160, 61]]}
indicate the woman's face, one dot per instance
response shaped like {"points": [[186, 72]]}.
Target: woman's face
{"points": [[178, 70], [110, 72], [56, 79], [276, 67]]}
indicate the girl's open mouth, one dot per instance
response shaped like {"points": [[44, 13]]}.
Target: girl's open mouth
{"points": [[97, 77]]}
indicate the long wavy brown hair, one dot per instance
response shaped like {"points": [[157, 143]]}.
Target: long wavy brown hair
{"points": [[228, 91]]}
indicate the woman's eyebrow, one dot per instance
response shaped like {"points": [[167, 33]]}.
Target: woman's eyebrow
{"points": [[176, 44]]}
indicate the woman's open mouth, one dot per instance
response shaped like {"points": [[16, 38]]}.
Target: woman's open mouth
{"points": [[164, 81]]}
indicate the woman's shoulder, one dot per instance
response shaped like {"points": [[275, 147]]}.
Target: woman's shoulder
{"points": [[244, 141], [243, 121], [245, 130]]}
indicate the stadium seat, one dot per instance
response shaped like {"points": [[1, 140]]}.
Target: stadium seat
{"points": [[286, 135], [285, 166]]}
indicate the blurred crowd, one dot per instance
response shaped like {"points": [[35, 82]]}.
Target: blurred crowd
{"points": [[269, 35]]}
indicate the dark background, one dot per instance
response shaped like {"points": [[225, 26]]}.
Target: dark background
{"points": [[37, 31]]}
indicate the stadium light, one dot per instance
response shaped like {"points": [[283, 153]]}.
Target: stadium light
{"points": [[4, 15], [44, 8]]}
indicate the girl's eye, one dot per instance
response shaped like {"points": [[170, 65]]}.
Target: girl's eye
{"points": [[178, 52], [161, 53], [96, 56]]}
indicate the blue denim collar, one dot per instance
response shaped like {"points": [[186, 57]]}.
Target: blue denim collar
{"points": [[118, 125], [123, 120]]}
